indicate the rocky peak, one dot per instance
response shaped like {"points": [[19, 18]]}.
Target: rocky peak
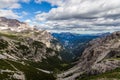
{"points": [[13, 25], [27, 53], [27, 42], [11, 22]]}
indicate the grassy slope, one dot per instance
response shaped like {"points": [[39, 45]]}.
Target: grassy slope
{"points": [[30, 72], [51, 64]]}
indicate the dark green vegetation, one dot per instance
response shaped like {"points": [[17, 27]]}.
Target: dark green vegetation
{"points": [[30, 72], [53, 64], [6, 76], [21, 46], [37, 44], [3, 44], [4, 65], [49, 50], [110, 75]]}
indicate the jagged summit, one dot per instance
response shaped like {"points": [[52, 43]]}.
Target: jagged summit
{"points": [[25, 50], [15, 30], [14, 25]]}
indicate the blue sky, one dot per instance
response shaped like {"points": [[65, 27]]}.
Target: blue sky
{"points": [[32, 8], [76, 16]]}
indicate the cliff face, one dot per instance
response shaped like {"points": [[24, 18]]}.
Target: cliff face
{"points": [[28, 46], [13, 25], [25, 41], [24, 51], [101, 55]]}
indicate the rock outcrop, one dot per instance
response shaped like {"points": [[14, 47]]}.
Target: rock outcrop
{"points": [[26, 42], [14, 25], [23, 49], [101, 55]]}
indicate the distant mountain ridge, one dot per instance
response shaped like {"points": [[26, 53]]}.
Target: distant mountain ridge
{"points": [[101, 55], [75, 43], [30, 54]]}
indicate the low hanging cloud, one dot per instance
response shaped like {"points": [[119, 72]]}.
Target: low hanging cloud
{"points": [[86, 15]]}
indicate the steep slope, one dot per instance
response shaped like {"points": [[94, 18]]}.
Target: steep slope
{"points": [[27, 53], [101, 55], [13, 25], [27, 45]]}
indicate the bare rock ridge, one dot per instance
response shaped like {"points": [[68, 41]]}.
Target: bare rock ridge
{"points": [[25, 54], [101, 55], [13, 25], [21, 39], [23, 49]]}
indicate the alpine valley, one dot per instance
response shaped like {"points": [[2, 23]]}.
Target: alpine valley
{"points": [[27, 53]]}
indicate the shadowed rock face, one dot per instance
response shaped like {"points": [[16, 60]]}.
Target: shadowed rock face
{"points": [[26, 53], [14, 25], [101, 55], [22, 41], [28, 46], [10, 22]]}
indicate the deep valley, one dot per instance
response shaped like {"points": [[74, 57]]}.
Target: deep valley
{"points": [[27, 53]]}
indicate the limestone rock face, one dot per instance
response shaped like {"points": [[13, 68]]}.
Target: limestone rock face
{"points": [[22, 41], [13, 25], [101, 55], [26, 52]]}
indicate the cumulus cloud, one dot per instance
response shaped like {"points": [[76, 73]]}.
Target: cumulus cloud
{"points": [[26, 1], [53, 2], [8, 13], [28, 21], [7, 6], [82, 15]]}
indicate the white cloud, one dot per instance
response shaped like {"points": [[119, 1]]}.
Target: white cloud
{"points": [[53, 2], [12, 3], [28, 21], [7, 8], [83, 9], [9, 4], [14, 6], [82, 15], [26, 1], [8, 14]]}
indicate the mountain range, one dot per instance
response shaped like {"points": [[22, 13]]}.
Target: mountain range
{"points": [[75, 44], [99, 61], [27, 53]]}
